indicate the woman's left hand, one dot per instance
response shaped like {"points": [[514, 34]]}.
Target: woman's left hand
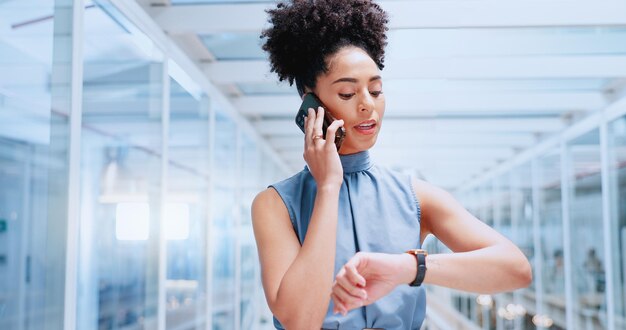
{"points": [[367, 277]]}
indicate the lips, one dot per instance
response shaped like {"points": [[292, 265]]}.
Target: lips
{"points": [[366, 127]]}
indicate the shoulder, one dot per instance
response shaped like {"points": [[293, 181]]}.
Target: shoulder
{"points": [[435, 202], [293, 182], [279, 197], [266, 198], [428, 192]]}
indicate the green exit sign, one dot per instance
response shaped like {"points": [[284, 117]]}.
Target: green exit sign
{"points": [[3, 225]]}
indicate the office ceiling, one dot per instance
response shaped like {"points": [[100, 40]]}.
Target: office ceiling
{"points": [[469, 84]]}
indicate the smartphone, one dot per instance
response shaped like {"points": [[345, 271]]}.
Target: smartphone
{"points": [[311, 101]]}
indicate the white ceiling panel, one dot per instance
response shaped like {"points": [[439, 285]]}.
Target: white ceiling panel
{"points": [[468, 84], [246, 17]]}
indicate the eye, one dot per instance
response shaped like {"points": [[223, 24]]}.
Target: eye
{"points": [[376, 93], [346, 96]]}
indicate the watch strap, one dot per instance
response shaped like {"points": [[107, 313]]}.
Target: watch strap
{"points": [[420, 256]]}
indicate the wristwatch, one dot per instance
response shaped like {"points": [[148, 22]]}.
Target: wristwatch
{"points": [[420, 256]]}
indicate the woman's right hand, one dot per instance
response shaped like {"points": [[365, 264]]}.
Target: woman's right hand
{"points": [[321, 154]]}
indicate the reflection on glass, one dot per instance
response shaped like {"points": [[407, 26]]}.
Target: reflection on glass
{"points": [[120, 174], [551, 234], [224, 217], [586, 237], [617, 182], [34, 147], [186, 208]]}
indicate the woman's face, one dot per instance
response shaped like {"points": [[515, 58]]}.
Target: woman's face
{"points": [[352, 90]]}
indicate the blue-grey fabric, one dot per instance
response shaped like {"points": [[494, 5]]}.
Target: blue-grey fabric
{"points": [[378, 212]]}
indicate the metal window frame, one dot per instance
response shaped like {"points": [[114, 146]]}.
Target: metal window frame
{"points": [[565, 216], [606, 223], [73, 221]]}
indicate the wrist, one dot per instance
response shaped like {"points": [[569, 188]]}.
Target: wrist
{"points": [[329, 187], [419, 257], [409, 268]]}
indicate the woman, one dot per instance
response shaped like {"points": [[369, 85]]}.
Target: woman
{"points": [[332, 238]]}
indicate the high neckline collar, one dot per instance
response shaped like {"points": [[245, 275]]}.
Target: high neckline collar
{"points": [[359, 161]]}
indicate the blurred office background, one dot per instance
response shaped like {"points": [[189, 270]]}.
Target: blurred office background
{"points": [[134, 135]]}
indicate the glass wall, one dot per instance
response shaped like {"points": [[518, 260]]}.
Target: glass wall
{"points": [[157, 221], [121, 167], [35, 110], [187, 204], [617, 204], [250, 186], [551, 235], [225, 218], [522, 216], [586, 233]]}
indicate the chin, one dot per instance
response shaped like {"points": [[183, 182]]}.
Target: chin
{"points": [[353, 149]]}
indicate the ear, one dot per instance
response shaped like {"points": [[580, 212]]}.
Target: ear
{"points": [[306, 91]]}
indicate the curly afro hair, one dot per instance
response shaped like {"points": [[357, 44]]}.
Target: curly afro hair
{"points": [[304, 33]]}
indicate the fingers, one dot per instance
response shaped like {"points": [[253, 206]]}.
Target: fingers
{"points": [[332, 129], [339, 307], [348, 289], [344, 301], [350, 280], [309, 122], [319, 120]]}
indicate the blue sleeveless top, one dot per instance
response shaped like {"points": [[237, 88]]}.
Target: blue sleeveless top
{"points": [[378, 212]]}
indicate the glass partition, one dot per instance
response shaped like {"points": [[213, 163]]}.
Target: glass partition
{"points": [[522, 216], [250, 186], [502, 205], [617, 204], [551, 234], [35, 76], [120, 174], [586, 235], [187, 204], [225, 216]]}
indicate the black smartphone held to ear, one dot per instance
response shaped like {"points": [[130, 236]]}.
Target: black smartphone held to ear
{"points": [[311, 101]]}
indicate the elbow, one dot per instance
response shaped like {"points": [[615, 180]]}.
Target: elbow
{"points": [[298, 322], [296, 319], [524, 273]]}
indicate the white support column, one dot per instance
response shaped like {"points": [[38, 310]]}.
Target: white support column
{"points": [[606, 222], [73, 207], [537, 239], [567, 247], [165, 128]]}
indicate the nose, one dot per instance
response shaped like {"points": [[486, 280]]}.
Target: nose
{"points": [[366, 103]]}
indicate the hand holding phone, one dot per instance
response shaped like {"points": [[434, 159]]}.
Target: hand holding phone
{"points": [[311, 101]]}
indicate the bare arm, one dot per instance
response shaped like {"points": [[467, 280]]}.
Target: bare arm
{"points": [[484, 261], [297, 279]]}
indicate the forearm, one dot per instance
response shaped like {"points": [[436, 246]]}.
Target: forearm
{"points": [[304, 292], [489, 270]]}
